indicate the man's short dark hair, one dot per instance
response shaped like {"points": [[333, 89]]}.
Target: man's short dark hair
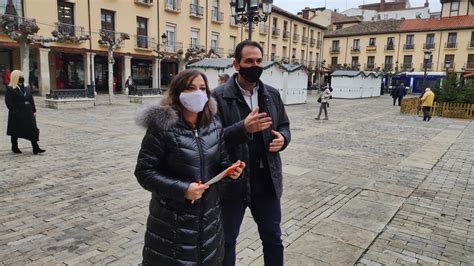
{"points": [[241, 45]]}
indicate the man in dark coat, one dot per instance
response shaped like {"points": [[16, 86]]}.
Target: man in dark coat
{"points": [[256, 129], [21, 113], [399, 93]]}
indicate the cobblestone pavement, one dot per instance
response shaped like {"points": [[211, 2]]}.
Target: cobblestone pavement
{"points": [[369, 186]]}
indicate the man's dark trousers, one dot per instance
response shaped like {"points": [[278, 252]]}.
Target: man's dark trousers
{"points": [[266, 212]]}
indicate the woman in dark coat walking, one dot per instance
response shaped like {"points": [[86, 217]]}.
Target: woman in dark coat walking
{"points": [[182, 150], [21, 113]]}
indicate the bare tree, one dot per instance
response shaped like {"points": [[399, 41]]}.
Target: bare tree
{"points": [[113, 40]]}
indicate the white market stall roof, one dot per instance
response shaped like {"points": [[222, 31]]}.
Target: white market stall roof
{"points": [[355, 73], [225, 63]]}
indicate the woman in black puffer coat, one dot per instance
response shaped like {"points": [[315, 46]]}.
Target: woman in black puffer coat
{"points": [[181, 151]]}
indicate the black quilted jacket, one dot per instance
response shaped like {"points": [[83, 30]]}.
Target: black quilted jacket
{"points": [[172, 156]]}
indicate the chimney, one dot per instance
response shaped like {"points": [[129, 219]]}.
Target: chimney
{"points": [[427, 4], [382, 5]]}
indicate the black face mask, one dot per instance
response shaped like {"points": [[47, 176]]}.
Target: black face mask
{"points": [[21, 80], [251, 74]]}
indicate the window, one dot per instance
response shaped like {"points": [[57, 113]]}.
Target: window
{"points": [[356, 45], [451, 40], [284, 51], [471, 43], [107, 20], [470, 61], [12, 7], [372, 42], [407, 62], [272, 56], [171, 37], [388, 63], [215, 41], [410, 39], [194, 40], [370, 61], [293, 53], [385, 16], [449, 61], [310, 56], [455, 6], [338, 26], [215, 10], [390, 42], [233, 42], [334, 61], [355, 61], [335, 45], [302, 56], [66, 18], [142, 32], [430, 44]]}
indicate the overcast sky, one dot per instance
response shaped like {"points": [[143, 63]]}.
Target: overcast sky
{"points": [[295, 6]]}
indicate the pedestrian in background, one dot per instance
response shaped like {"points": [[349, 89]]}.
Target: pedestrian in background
{"points": [[182, 149], [323, 98], [256, 130], [398, 93], [6, 77], [427, 103], [222, 78], [21, 113]]}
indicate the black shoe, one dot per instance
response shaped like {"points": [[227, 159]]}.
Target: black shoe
{"points": [[429, 118], [16, 150], [36, 151]]}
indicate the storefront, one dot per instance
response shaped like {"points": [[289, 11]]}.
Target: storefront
{"points": [[101, 69], [69, 71], [142, 72], [169, 69]]}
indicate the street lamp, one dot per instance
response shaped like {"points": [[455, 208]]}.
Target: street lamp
{"points": [[247, 12], [164, 39], [320, 66], [426, 58]]}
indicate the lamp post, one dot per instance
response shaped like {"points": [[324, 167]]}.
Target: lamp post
{"points": [[164, 40], [247, 12], [320, 66], [426, 58]]}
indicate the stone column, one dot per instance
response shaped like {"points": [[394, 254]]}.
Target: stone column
{"points": [[88, 68], [43, 69], [156, 68], [127, 71]]}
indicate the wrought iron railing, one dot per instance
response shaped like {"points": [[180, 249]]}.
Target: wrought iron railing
{"points": [[407, 66], [355, 49], [334, 50], [17, 21], [144, 42], [428, 66], [429, 45], [174, 5], [263, 28], [196, 11], [409, 46], [296, 37], [469, 65], [304, 39], [470, 44], [451, 45], [174, 47], [69, 29], [217, 16], [312, 42], [70, 94], [275, 31], [389, 47], [139, 91]]}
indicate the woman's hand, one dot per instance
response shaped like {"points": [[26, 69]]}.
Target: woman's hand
{"points": [[238, 171], [195, 191]]}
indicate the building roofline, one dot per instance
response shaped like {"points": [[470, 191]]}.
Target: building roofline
{"points": [[280, 11]]}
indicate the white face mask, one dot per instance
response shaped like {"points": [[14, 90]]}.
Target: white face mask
{"points": [[193, 101]]}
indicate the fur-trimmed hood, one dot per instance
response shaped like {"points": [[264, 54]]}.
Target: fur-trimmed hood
{"points": [[162, 115]]}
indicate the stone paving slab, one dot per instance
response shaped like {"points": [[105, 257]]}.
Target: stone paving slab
{"points": [[349, 194]]}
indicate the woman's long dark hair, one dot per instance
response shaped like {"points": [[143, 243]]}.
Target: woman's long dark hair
{"points": [[179, 83]]}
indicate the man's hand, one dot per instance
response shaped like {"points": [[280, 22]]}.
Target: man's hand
{"points": [[195, 191], [277, 142], [256, 122]]}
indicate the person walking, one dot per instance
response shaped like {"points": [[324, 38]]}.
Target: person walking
{"points": [[256, 129], [323, 98], [181, 151], [21, 113], [222, 78], [427, 103], [399, 93]]}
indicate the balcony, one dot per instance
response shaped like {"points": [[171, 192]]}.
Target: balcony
{"points": [[470, 45], [196, 11], [296, 37], [334, 50], [263, 29], [312, 63], [369, 67], [286, 34], [113, 35], [144, 42], [318, 44], [312, 42], [355, 49], [387, 67], [174, 6], [17, 21], [450, 45], [448, 66], [295, 61], [389, 47], [304, 40], [409, 46], [469, 66], [407, 66], [216, 16], [273, 57], [144, 2], [197, 47], [428, 65], [69, 29], [371, 48], [233, 23], [429, 45], [275, 31], [173, 47], [355, 66], [218, 51]]}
